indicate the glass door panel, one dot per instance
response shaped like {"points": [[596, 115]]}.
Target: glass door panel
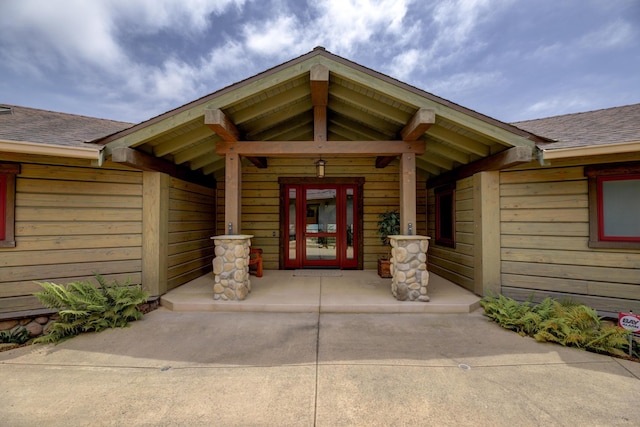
{"points": [[320, 226]]}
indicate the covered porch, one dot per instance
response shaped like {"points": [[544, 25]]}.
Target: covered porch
{"points": [[323, 291]]}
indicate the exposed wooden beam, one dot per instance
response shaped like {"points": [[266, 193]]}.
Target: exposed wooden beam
{"points": [[194, 152], [429, 167], [221, 124], [418, 125], [353, 126], [449, 152], [138, 160], [363, 101], [265, 122], [280, 131], [459, 141], [274, 102], [232, 194], [260, 162], [383, 161], [388, 129], [311, 149], [183, 141], [319, 75], [503, 160]]}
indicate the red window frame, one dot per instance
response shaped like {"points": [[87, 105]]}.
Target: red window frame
{"points": [[597, 175], [8, 172], [600, 180]]}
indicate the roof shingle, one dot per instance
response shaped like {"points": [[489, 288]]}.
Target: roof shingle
{"points": [[49, 127]]}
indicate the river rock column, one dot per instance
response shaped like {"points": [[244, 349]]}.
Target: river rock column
{"points": [[409, 267], [231, 267]]}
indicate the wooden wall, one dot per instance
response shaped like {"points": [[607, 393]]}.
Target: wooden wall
{"points": [[260, 200], [72, 220], [192, 220], [454, 264], [544, 240]]}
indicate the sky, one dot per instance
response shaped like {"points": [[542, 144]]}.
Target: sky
{"points": [[131, 60]]}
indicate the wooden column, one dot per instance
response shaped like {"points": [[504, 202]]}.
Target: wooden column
{"points": [[407, 192], [155, 231], [486, 246], [232, 193]]}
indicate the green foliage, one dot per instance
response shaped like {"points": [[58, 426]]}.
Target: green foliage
{"points": [[388, 224], [562, 322], [16, 336], [83, 307]]}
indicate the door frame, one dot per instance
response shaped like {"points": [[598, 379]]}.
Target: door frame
{"points": [[358, 182]]}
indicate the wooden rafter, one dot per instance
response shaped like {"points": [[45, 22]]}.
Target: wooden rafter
{"points": [[138, 160], [418, 125], [183, 141], [503, 160], [459, 141], [260, 162], [384, 161], [221, 124], [309, 148]]}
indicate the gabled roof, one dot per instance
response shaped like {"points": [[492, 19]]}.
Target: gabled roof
{"points": [[49, 127], [363, 105], [600, 127]]}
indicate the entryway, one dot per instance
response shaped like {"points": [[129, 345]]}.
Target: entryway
{"points": [[321, 222]]}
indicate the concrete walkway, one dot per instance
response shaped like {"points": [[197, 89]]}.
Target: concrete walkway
{"points": [[313, 369], [324, 291]]}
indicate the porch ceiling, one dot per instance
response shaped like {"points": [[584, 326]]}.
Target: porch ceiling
{"points": [[362, 106]]}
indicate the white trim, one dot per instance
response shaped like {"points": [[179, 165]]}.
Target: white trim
{"points": [[594, 150], [23, 147]]}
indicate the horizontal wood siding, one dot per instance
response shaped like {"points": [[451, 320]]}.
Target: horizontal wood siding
{"points": [[454, 264], [260, 200], [71, 222], [192, 220], [544, 243]]}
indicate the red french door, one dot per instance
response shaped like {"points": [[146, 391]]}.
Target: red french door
{"points": [[321, 223]]}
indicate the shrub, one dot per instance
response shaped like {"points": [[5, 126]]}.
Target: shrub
{"points": [[83, 307], [563, 322], [16, 336]]}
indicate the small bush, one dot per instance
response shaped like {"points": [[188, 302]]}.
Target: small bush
{"points": [[16, 336], [83, 307], [562, 322]]}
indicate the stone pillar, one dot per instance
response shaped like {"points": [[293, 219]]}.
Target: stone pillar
{"points": [[409, 267], [231, 267]]}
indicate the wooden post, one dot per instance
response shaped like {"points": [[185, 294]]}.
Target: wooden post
{"points": [[232, 194], [155, 232], [407, 193], [486, 247]]}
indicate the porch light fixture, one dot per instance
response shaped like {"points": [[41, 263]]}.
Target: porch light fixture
{"points": [[320, 168]]}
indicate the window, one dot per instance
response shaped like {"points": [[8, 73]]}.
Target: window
{"points": [[446, 216], [614, 205], [8, 174]]}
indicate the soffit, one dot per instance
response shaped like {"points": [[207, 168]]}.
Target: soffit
{"points": [[362, 106]]}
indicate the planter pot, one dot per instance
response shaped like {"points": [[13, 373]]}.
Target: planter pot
{"points": [[384, 268]]}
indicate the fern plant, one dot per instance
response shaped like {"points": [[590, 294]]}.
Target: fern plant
{"points": [[83, 307], [16, 336], [563, 322]]}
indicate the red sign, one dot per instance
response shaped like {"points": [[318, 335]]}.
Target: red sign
{"points": [[629, 321]]}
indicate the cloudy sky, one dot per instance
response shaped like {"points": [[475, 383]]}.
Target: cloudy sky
{"points": [[131, 60]]}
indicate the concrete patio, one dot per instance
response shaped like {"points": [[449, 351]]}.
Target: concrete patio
{"points": [[323, 291]]}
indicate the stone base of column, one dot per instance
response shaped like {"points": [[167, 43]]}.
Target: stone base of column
{"points": [[231, 267], [409, 268]]}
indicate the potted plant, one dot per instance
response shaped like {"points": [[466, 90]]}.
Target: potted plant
{"points": [[388, 225]]}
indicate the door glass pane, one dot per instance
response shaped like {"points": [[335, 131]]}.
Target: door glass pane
{"points": [[320, 224], [349, 225], [292, 223]]}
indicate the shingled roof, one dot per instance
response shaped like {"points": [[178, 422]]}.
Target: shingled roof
{"points": [[591, 128], [50, 127]]}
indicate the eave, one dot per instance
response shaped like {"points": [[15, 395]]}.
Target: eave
{"points": [[24, 147], [592, 150]]}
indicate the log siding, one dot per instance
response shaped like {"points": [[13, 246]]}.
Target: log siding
{"points": [[544, 243], [71, 221], [455, 264]]}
